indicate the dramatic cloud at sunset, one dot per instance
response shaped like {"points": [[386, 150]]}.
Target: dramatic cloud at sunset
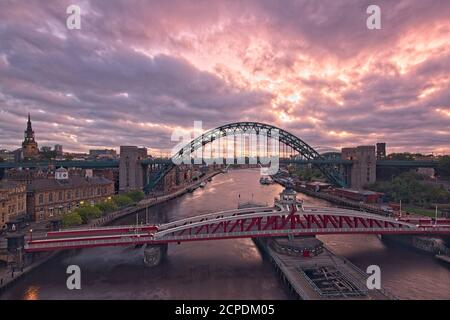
{"points": [[139, 69]]}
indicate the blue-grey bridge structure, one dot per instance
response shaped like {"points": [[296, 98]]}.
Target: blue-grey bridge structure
{"points": [[330, 164]]}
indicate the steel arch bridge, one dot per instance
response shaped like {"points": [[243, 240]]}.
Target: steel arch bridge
{"points": [[267, 131]]}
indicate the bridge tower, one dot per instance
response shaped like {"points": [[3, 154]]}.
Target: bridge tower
{"points": [[131, 172], [364, 168]]}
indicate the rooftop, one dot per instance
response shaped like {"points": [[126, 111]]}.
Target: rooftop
{"points": [[70, 183], [362, 192], [5, 184]]}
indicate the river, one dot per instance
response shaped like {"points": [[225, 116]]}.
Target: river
{"points": [[221, 269]]}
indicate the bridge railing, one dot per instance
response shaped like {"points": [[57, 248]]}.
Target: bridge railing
{"points": [[128, 239], [378, 230]]}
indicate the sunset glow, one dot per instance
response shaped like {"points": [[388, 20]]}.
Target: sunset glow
{"points": [[313, 69]]}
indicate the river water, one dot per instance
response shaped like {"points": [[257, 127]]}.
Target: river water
{"points": [[221, 269]]}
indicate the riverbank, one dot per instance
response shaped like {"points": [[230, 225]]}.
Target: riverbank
{"points": [[339, 201], [8, 277], [423, 244]]}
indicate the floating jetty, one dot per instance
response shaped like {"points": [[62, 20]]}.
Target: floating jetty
{"points": [[313, 272]]}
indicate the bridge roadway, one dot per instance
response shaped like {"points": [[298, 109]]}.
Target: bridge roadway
{"points": [[279, 220], [104, 164]]}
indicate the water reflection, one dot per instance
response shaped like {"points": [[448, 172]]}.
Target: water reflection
{"points": [[220, 269], [32, 293]]}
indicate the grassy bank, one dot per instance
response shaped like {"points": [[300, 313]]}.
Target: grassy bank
{"points": [[420, 211]]}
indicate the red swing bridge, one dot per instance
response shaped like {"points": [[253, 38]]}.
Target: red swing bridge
{"points": [[288, 217]]}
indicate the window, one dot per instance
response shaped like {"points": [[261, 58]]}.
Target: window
{"points": [[98, 191], [60, 196], [50, 197], [77, 194], [69, 195], [41, 198]]}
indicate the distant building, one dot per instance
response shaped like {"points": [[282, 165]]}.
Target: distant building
{"points": [[76, 156], [46, 149], [381, 150], [12, 201], [18, 155], [6, 156], [50, 198], [25, 176], [110, 174], [29, 145], [363, 169], [365, 196], [102, 153], [59, 150]]}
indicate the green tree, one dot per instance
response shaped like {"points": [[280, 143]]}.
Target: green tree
{"points": [[107, 206], [411, 188], [308, 174], [136, 195], [88, 212], [122, 200], [71, 219], [443, 168]]}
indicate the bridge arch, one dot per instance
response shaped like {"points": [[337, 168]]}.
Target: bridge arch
{"points": [[266, 130]]}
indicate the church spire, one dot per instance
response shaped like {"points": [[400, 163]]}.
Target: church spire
{"points": [[29, 133], [29, 123], [29, 145]]}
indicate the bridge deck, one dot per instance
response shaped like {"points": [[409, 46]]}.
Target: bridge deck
{"points": [[243, 223]]}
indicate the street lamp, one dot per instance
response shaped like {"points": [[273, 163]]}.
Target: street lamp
{"points": [[31, 234]]}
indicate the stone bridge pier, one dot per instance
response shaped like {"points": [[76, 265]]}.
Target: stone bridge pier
{"points": [[155, 254]]}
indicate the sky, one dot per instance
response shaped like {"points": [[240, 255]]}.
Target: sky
{"points": [[138, 70]]}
